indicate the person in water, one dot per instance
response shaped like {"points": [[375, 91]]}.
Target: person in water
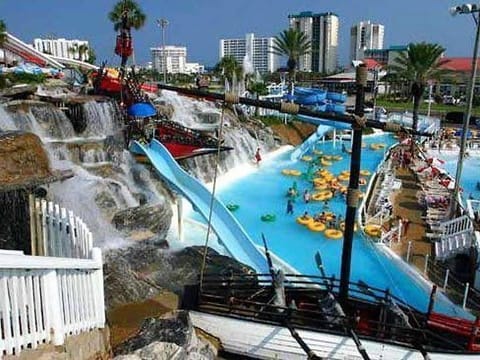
{"points": [[305, 215], [289, 207], [306, 196], [258, 157]]}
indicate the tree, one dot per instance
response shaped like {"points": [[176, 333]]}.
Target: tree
{"points": [[229, 67], [291, 43], [126, 14], [74, 50], [3, 33], [419, 64], [135, 17], [83, 52], [258, 88], [92, 57]]}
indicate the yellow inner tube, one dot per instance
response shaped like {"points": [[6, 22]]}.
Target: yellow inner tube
{"points": [[321, 187], [316, 226], [365, 172], [333, 234], [319, 181], [325, 162], [322, 195], [327, 157], [291, 172], [373, 230], [306, 158], [342, 226], [317, 152], [345, 172], [343, 177], [337, 157], [304, 220]]}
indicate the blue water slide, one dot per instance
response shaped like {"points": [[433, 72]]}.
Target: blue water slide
{"points": [[227, 228], [318, 122], [310, 142], [338, 108], [336, 97]]}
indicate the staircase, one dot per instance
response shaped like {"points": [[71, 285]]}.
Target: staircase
{"points": [[456, 236]]}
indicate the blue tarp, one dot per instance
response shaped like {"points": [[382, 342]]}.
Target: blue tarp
{"points": [[142, 110]]}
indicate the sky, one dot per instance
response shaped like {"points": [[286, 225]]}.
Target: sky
{"points": [[200, 24]]}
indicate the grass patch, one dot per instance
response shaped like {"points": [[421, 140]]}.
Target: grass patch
{"points": [[436, 108], [271, 120]]}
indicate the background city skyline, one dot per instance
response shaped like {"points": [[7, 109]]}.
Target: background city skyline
{"points": [[200, 25]]}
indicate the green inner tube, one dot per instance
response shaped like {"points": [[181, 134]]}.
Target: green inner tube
{"points": [[232, 207], [268, 217]]}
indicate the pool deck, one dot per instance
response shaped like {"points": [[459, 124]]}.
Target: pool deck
{"points": [[406, 206]]}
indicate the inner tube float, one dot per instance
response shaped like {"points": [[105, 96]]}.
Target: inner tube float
{"points": [[304, 220], [365, 173], [333, 234], [316, 226], [322, 195], [345, 172], [268, 217], [317, 152], [327, 157], [319, 181], [373, 230], [342, 226], [232, 207], [306, 158], [328, 216], [343, 177], [325, 162], [291, 172], [337, 158], [321, 187]]}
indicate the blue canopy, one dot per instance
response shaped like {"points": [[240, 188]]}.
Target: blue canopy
{"points": [[142, 110], [460, 132]]}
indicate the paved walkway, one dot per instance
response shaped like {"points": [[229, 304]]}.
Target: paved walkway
{"points": [[406, 206]]}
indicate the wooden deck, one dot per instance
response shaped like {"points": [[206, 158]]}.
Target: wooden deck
{"points": [[406, 206]]}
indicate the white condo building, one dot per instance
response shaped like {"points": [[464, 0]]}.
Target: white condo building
{"points": [[176, 60], [365, 36], [322, 31], [257, 50], [62, 48]]}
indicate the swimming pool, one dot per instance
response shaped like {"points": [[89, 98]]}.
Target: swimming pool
{"points": [[264, 192], [470, 172]]}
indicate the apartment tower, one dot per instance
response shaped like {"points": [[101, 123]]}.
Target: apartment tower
{"points": [[365, 36], [322, 31]]}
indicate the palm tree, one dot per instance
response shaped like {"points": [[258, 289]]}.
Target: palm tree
{"points": [[3, 33], [419, 64], [291, 43], [258, 88], [229, 67], [126, 14], [92, 57], [83, 52], [73, 50]]}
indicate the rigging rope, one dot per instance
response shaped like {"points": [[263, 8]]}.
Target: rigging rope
{"points": [[212, 198]]}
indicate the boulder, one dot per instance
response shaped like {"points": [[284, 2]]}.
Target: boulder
{"points": [[155, 218], [168, 337], [23, 91]]}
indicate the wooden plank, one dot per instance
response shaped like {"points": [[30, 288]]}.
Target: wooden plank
{"points": [[39, 315], [58, 231], [73, 236], [65, 238], [32, 326], [38, 228], [45, 311], [65, 299]]}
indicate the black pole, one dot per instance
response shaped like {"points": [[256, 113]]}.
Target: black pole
{"points": [[289, 108], [352, 196]]}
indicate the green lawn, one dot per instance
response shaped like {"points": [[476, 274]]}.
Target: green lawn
{"points": [[437, 109]]}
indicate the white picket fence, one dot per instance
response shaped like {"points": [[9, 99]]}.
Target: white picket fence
{"points": [[45, 299], [56, 231], [456, 236]]}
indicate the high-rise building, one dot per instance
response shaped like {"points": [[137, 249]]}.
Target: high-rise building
{"points": [[257, 50], [176, 60], [322, 31], [365, 36], [70, 49]]}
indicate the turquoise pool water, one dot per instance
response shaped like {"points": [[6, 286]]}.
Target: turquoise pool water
{"points": [[470, 173], [264, 192]]}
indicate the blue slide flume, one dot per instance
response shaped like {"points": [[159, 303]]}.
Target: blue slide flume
{"points": [[227, 228]]}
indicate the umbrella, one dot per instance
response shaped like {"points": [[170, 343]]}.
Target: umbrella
{"points": [[142, 110]]}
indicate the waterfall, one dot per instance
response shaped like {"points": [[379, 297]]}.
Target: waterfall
{"points": [[106, 178], [245, 140]]}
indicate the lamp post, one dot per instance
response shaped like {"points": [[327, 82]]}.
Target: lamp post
{"points": [[163, 23], [467, 9]]}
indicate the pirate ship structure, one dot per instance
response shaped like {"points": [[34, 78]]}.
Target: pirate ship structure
{"points": [[292, 316], [141, 117]]}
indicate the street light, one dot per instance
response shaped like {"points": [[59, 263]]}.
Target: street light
{"points": [[467, 9], [163, 23]]}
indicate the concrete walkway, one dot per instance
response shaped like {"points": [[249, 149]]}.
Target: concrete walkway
{"points": [[406, 206]]}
